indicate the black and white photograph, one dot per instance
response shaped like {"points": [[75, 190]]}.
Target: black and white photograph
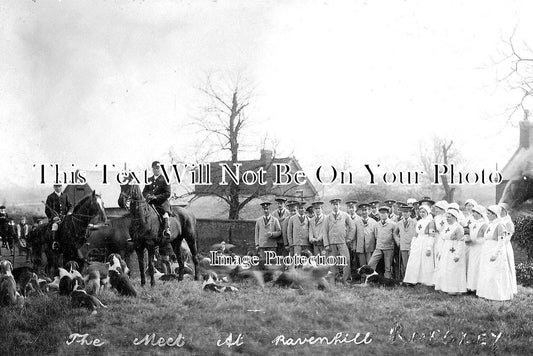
{"points": [[236, 177]]}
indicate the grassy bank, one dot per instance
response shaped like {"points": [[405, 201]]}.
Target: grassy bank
{"points": [[261, 315]]}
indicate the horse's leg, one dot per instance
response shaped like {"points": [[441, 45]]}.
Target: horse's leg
{"points": [[140, 258], [177, 251], [191, 239], [151, 252]]}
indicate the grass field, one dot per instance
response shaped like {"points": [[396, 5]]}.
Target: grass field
{"points": [[44, 325]]}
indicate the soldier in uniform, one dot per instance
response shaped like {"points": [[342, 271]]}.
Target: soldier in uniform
{"points": [[56, 207], [267, 231], [384, 241], [374, 214], [298, 231], [393, 205], [157, 192], [23, 230], [317, 229], [282, 213], [365, 244], [358, 233], [340, 230], [404, 234], [291, 205]]}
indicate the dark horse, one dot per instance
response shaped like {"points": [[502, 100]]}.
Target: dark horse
{"points": [[71, 233], [145, 228]]}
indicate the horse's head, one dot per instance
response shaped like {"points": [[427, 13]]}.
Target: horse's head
{"points": [[90, 206], [129, 192]]}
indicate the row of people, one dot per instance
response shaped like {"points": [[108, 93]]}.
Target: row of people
{"points": [[428, 236]]}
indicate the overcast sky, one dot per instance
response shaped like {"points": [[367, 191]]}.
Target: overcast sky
{"points": [[352, 82]]}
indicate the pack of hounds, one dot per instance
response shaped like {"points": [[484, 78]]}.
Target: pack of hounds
{"points": [[83, 287]]}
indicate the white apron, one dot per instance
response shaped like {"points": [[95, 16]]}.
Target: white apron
{"points": [[495, 277], [451, 274], [477, 230], [420, 268]]}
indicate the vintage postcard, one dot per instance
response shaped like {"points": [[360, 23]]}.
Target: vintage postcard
{"points": [[222, 177]]}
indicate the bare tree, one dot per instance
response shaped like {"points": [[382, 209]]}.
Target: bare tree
{"points": [[439, 150], [519, 76], [227, 125]]}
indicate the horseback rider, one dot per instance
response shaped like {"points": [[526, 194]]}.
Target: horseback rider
{"points": [[157, 193], [56, 207]]}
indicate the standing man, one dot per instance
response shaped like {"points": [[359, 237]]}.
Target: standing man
{"points": [[403, 235], [282, 213], [366, 244], [317, 229], [298, 230], [23, 230], [374, 214], [56, 207], [291, 205], [157, 192], [267, 231], [358, 232], [384, 241], [340, 230], [395, 214]]}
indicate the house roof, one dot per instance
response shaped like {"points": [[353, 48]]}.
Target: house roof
{"points": [[520, 164], [254, 165]]}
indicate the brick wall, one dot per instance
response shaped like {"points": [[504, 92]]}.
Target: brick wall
{"points": [[237, 232]]}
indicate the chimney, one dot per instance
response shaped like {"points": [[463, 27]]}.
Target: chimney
{"points": [[267, 155], [526, 131]]}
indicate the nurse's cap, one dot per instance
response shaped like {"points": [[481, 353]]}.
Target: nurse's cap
{"points": [[480, 209], [442, 204]]}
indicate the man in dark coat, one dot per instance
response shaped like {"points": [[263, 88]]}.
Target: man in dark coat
{"points": [[157, 192], [56, 207]]}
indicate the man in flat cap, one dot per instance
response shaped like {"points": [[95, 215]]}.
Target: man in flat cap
{"points": [[281, 213], [384, 241], [57, 205], [267, 231], [366, 244], [157, 192], [317, 229], [298, 230], [340, 230]]}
